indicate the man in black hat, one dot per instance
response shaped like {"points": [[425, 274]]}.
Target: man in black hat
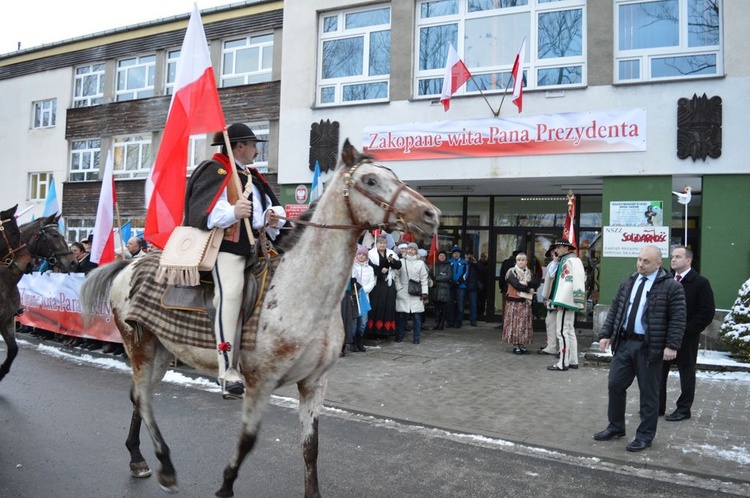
{"points": [[211, 200], [566, 293]]}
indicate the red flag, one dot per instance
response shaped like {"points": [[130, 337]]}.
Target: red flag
{"points": [[456, 74], [432, 257], [195, 108], [517, 73], [569, 232], [103, 245]]}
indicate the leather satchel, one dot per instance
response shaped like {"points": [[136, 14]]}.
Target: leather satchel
{"points": [[188, 252]]}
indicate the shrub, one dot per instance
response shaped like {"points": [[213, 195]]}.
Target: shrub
{"points": [[736, 327]]}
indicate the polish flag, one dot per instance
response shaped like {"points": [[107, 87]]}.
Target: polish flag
{"points": [[103, 245], [517, 73], [569, 231], [195, 109], [456, 75]]}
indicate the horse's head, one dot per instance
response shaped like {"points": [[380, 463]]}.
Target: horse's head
{"points": [[12, 250], [378, 199], [44, 240]]}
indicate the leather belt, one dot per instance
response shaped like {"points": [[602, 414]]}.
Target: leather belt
{"points": [[633, 337]]}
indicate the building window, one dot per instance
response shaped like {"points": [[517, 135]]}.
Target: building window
{"points": [[487, 35], [355, 56], [77, 229], [135, 77], [38, 185], [84, 160], [247, 60], [172, 57], [667, 40], [44, 113], [88, 86], [261, 131], [132, 156], [196, 151]]}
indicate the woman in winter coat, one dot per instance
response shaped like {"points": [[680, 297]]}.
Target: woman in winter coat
{"points": [[363, 277], [517, 317], [441, 291], [412, 268], [385, 263]]}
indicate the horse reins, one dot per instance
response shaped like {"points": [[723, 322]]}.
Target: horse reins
{"points": [[9, 258]]}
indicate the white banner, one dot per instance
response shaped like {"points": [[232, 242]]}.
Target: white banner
{"points": [[619, 130], [627, 242]]}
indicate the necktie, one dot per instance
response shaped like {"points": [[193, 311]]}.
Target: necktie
{"points": [[678, 277], [630, 329]]}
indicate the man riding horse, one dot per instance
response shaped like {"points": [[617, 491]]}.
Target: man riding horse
{"points": [[212, 200]]}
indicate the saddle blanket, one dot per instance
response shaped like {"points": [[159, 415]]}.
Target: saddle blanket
{"points": [[193, 328]]}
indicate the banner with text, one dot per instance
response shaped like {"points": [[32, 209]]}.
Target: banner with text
{"points": [[620, 130], [627, 242], [52, 303]]}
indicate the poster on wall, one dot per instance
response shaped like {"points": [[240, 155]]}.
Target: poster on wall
{"points": [[636, 214], [627, 242]]}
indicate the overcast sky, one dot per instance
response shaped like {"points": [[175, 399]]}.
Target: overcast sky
{"points": [[35, 23]]}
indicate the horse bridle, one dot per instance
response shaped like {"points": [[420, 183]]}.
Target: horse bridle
{"points": [[387, 206], [51, 255], [9, 258]]}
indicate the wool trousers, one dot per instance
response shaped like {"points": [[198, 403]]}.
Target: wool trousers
{"points": [[229, 284], [566, 337]]}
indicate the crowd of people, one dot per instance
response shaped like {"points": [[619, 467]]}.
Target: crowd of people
{"points": [[134, 248]]}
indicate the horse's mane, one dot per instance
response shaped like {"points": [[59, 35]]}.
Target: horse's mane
{"points": [[292, 236]]}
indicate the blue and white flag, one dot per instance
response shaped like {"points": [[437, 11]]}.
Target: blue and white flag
{"points": [[317, 187], [51, 206], [126, 232]]}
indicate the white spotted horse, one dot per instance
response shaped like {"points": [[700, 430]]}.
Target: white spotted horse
{"points": [[299, 330]]}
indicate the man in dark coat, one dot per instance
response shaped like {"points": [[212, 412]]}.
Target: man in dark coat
{"points": [[212, 200], [699, 299], [644, 326]]}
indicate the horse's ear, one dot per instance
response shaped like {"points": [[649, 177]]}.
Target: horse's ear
{"points": [[52, 219], [348, 153], [12, 210]]}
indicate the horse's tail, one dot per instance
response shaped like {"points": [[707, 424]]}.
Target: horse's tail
{"points": [[95, 288]]}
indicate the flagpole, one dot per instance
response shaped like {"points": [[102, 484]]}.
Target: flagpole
{"points": [[503, 99], [471, 76], [119, 224], [238, 184], [686, 223]]}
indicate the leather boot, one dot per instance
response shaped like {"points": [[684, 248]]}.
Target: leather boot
{"points": [[360, 344], [353, 348]]}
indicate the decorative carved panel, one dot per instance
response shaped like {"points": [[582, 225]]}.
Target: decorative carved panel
{"points": [[699, 127], [324, 145]]}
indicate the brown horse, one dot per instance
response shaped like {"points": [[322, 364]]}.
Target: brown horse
{"points": [[299, 328]]}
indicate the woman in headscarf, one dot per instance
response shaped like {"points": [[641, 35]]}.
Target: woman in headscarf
{"points": [[385, 263]]}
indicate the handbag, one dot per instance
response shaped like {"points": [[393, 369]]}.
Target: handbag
{"points": [[414, 288], [188, 252]]}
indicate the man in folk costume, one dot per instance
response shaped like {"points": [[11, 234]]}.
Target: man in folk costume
{"points": [[212, 200], [566, 293]]}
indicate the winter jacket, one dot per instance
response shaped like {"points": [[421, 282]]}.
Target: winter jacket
{"points": [[365, 275], [460, 271], [663, 316], [442, 277], [411, 268], [570, 289]]}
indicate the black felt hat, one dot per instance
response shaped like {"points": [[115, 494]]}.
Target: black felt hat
{"points": [[238, 132], [563, 242]]}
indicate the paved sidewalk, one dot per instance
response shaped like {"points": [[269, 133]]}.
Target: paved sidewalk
{"points": [[467, 380]]}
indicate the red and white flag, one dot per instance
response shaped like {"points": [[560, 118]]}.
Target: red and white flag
{"points": [[569, 231], [103, 245], [456, 74], [432, 256], [517, 73], [195, 109]]}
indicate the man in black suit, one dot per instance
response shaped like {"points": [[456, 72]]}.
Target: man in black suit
{"points": [[700, 312]]}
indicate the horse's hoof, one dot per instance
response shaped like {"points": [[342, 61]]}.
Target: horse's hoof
{"points": [[140, 470], [168, 483]]}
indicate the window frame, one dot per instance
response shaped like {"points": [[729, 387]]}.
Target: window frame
{"points": [[339, 84], [644, 57], [38, 185], [135, 93], [42, 110], [94, 161], [261, 75], [96, 70], [501, 72], [78, 228], [121, 147]]}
